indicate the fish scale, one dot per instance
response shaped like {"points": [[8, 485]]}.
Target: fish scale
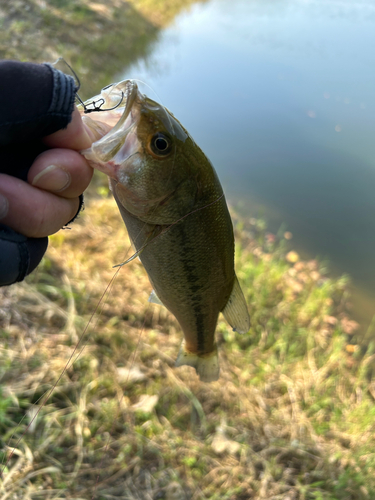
{"points": [[173, 206]]}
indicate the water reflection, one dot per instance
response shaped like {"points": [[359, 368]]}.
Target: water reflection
{"points": [[280, 95]]}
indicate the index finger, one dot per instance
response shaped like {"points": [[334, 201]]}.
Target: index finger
{"points": [[75, 136]]}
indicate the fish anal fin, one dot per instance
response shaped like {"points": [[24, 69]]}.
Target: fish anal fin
{"points": [[207, 366], [154, 299], [235, 311]]}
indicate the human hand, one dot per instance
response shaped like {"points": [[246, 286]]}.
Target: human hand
{"points": [[42, 174], [57, 177]]}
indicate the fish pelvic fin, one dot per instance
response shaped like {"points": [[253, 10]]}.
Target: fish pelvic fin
{"points": [[235, 312], [154, 299], [207, 366]]}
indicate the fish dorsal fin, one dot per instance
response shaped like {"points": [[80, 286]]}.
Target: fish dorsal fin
{"points": [[235, 312], [154, 299]]}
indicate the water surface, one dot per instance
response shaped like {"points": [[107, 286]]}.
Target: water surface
{"points": [[280, 95]]}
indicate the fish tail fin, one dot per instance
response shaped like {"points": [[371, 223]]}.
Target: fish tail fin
{"points": [[235, 311], [207, 366]]}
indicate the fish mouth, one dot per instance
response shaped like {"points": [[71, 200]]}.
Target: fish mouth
{"points": [[118, 143], [127, 92]]}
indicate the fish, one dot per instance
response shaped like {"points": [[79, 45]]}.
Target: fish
{"points": [[173, 205]]}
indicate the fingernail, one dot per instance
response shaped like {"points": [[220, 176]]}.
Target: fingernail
{"points": [[52, 178], [4, 206]]}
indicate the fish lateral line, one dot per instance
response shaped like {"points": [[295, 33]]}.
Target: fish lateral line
{"points": [[138, 252]]}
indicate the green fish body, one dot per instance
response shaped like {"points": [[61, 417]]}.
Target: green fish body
{"points": [[173, 206]]}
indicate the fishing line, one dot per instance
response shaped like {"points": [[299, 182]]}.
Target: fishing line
{"points": [[168, 118], [138, 252], [159, 100], [129, 260], [49, 393], [15, 430], [106, 293], [62, 61], [119, 403], [97, 107], [142, 329]]}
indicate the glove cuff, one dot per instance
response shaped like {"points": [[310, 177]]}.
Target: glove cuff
{"points": [[19, 255]]}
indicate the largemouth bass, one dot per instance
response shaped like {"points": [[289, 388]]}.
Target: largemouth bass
{"points": [[173, 206]]}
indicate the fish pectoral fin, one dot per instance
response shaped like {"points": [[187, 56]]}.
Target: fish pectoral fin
{"points": [[235, 312], [207, 366], [154, 299], [136, 254]]}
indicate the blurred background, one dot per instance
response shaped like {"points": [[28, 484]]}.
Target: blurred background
{"points": [[279, 94]]}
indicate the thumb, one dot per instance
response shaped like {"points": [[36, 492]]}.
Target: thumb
{"points": [[75, 136]]}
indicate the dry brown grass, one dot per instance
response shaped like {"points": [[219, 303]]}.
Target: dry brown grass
{"points": [[290, 417]]}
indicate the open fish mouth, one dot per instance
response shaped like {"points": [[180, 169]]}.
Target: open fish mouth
{"points": [[114, 120]]}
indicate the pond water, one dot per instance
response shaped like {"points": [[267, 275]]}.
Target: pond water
{"points": [[280, 95]]}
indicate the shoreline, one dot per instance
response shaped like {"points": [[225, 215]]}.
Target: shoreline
{"points": [[289, 402]]}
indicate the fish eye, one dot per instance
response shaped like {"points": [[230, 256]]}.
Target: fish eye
{"points": [[160, 144]]}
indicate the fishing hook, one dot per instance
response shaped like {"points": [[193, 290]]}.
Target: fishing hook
{"points": [[97, 106]]}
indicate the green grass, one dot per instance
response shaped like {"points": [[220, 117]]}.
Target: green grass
{"points": [[292, 416]]}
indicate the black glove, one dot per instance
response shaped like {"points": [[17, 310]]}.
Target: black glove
{"points": [[35, 100]]}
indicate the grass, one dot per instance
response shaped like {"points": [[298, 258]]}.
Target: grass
{"points": [[98, 39], [292, 416]]}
